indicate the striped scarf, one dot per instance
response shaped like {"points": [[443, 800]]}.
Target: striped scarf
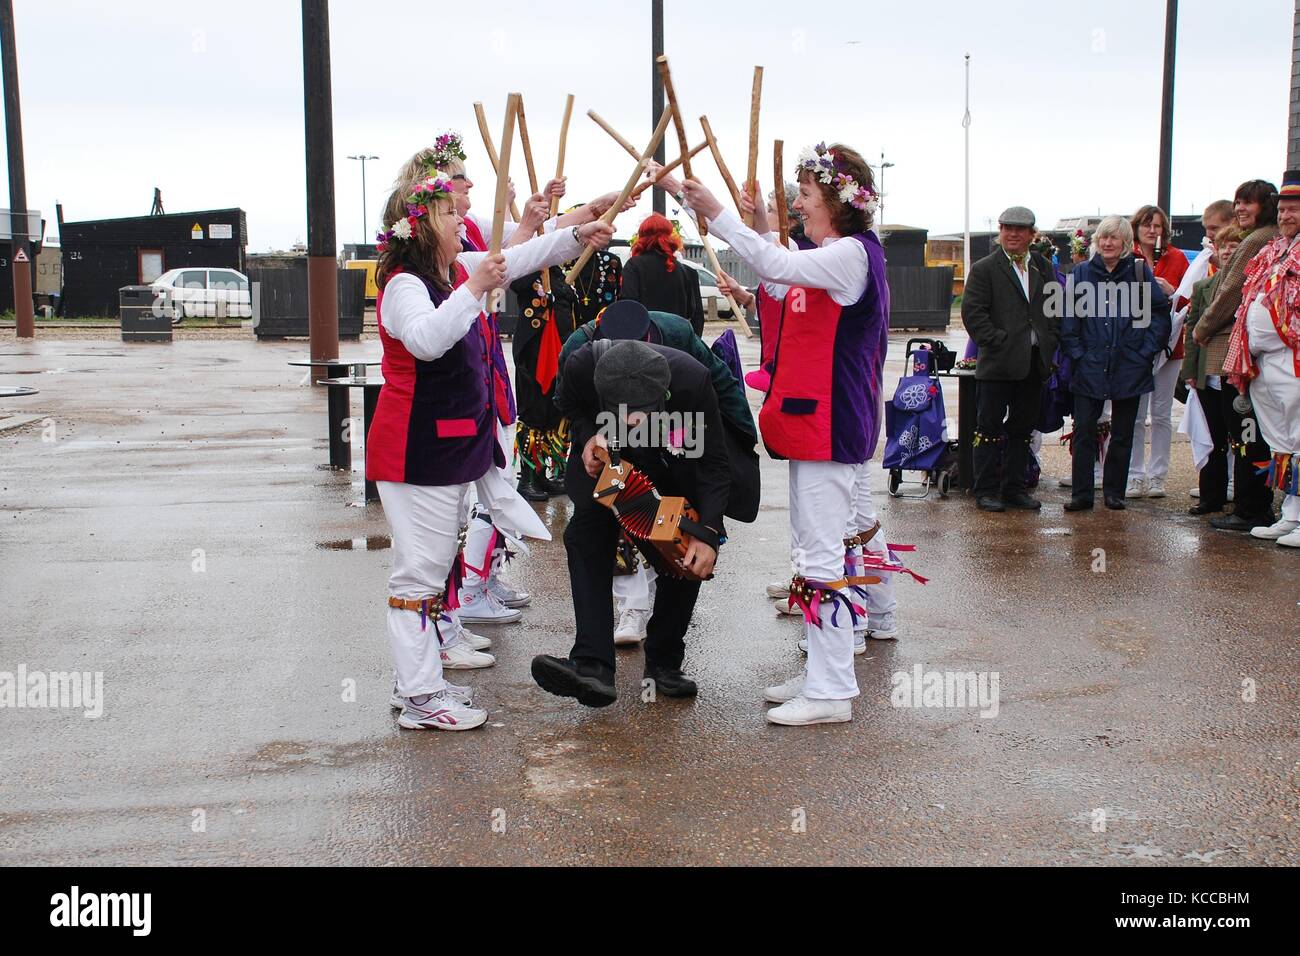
{"points": [[1275, 274]]}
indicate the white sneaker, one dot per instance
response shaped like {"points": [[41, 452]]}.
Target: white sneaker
{"points": [[1272, 532], [859, 642], [783, 607], [1195, 492], [1291, 540], [801, 711], [440, 712], [480, 606], [779, 589], [1156, 488], [457, 692], [508, 594], [1065, 482], [881, 627], [461, 657], [631, 627], [1137, 488], [780, 693], [456, 633]]}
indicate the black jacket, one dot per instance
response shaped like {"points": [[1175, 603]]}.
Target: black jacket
{"points": [[999, 318], [705, 480], [646, 279]]}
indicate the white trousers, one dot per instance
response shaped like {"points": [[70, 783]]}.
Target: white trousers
{"points": [[1275, 393], [821, 503], [1159, 404], [1291, 508], [635, 592], [425, 524], [880, 598]]}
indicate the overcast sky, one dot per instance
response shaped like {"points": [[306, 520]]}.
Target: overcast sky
{"points": [[205, 100]]}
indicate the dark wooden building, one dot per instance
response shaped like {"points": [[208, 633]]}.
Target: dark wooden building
{"points": [[100, 256]]}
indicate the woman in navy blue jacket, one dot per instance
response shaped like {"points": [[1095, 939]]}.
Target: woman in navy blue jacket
{"points": [[1116, 321]]}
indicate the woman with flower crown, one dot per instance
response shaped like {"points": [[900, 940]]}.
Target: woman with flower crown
{"points": [[434, 432], [823, 406]]}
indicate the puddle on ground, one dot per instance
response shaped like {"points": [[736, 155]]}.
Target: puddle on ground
{"points": [[376, 542]]}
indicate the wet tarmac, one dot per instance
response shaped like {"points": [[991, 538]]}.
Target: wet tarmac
{"points": [[166, 521]]}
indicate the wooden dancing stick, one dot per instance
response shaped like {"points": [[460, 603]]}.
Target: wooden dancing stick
{"points": [[736, 311], [636, 193], [755, 97], [679, 161], [492, 151], [559, 172], [722, 166], [627, 191], [503, 191], [670, 97], [525, 145], [778, 186]]}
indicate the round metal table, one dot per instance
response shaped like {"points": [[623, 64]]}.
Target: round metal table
{"points": [[370, 397], [338, 409]]}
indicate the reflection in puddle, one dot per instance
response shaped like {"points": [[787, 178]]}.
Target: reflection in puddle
{"points": [[377, 542]]}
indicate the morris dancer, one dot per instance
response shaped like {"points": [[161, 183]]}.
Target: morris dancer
{"points": [[1264, 355], [434, 432], [823, 408]]}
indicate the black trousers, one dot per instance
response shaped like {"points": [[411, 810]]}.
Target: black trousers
{"points": [[1214, 476], [1252, 497], [590, 539], [1114, 475], [1018, 404]]}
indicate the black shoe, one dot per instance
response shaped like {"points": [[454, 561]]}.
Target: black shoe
{"points": [[530, 490], [589, 681], [1078, 504], [1204, 509], [989, 503], [1234, 522], [554, 486], [670, 681], [1115, 503], [1022, 501]]}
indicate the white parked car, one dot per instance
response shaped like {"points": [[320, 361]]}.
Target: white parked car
{"points": [[205, 293]]}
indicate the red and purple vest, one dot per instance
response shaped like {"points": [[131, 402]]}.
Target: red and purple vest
{"points": [[500, 371], [827, 370], [435, 422]]}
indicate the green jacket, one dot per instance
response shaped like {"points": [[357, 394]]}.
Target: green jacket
{"points": [[675, 332], [1194, 356]]}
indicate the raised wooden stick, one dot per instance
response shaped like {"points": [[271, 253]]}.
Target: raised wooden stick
{"points": [[722, 166], [526, 146], [628, 147], [778, 187], [666, 76], [559, 172], [492, 151], [755, 97], [503, 191], [736, 311], [627, 191]]}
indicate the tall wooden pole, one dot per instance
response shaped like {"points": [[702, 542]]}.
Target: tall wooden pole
{"points": [[1167, 108], [322, 246], [21, 250]]}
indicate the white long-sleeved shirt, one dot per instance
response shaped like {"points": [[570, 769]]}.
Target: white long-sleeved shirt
{"points": [[840, 266], [429, 331]]}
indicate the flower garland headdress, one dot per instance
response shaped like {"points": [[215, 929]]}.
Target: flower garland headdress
{"points": [[447, 148], [1078, 243], [417, 205], [821, 162]]}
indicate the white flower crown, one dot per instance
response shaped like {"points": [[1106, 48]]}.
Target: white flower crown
{"points": [[821, 162]]}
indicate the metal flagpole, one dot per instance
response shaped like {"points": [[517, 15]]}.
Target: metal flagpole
{"points": [[965, 122]]}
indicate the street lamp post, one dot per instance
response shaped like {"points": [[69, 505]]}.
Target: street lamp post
{"points": [[365, 228], [883, 166]]}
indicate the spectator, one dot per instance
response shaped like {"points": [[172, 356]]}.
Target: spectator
{"points": [[1005, 309], [1213, 488], [1113, 328], [1255, 206], [655, 278], [1147, 473]]}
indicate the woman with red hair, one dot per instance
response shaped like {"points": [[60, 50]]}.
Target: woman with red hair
{"points": [[655, 278]]}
